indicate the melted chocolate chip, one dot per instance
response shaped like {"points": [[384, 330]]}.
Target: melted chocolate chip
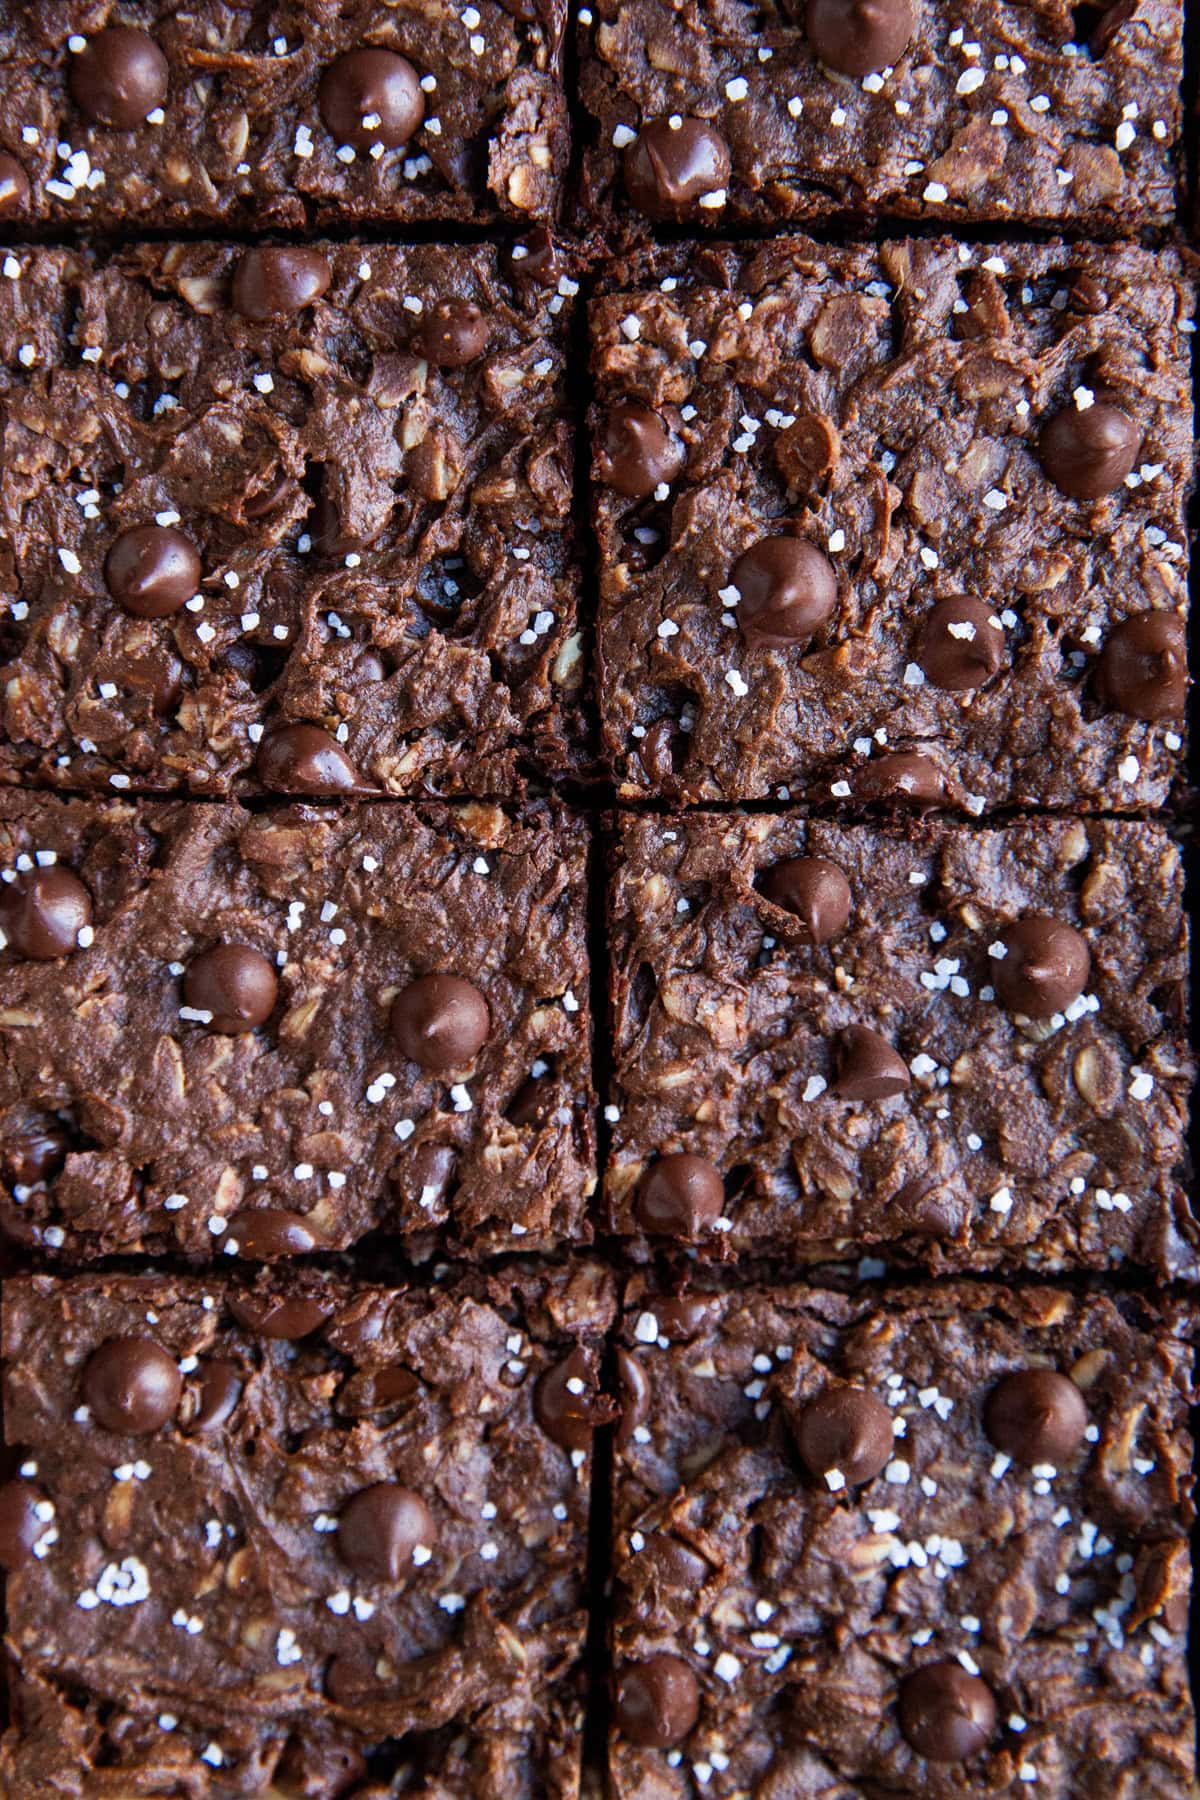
{"points": [[674, 1564], [14, 186], [815, 892], [675, 163], [867, 1066], [152, 571], [565, 1403], [845, 1431], [904, 776], [1088, 453], [453, 333], [788, 590], [131, 1385], [1036, 1416], [946, 1714], [680, 1196], [119, 76], [658, 1702], [273, 283], [267, 1232], [636, 454], [859, 37], [234, 983], [20, 1527], [369, 97], [1044, 967], [33, 1152], [380, 1528], [271, 1317], [440, 1022], [43, 912], [536, 257], [633, 1386], [1142, 669], [304, 760], [213, 1395], [960, 645]]}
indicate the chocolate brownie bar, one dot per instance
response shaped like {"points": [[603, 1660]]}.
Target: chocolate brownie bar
{"points": [[280, 114], [289, 517], [928, 1543], [280, 1526], [732, 112], [267, 1034], [903, 522], [939, 1043]]}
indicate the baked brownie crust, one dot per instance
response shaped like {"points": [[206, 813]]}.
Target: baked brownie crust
{"points": [[141, 1112], [1043, 1604], [972, 111], [890, 410], [249, 116], [206, 1567], [892, 1087], [363, 459]]}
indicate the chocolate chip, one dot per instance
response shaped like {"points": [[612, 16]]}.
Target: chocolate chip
{"points": [[14, 185], [380, 1528], [565, 1403], [859, 37], [370, 97], [788, 590], [946, 1714], [154, 670], [904, 776], [43, 912], [658, 1702], [272, 1317], [535, 257], [119, 76], [267, 1232], [33, 1152], [440, 1022], [867, 1066], [452, 334], [152, 570], [674, 1564], [680, 1196], [377, 1390], [272, 283], [1044, 967], [20, 1527], [673, 164], [1088, 453], [234, 983], [303, 759], [428, 1174], [1036, 1416], [845, 1431], [131, 1385], [213, 1396], [633, 1387], [1142, 669], [960, 645], [636, 453], [814, 891]]}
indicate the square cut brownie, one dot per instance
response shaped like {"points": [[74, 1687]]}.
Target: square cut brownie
{"points": [[290, 517], [897, 522], [732, 112], [270, 113], [929, 1542], [266, 1034], [280, 1539], [946, 1044]]}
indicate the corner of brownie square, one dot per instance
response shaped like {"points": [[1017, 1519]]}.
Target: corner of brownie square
{"points": [[735, 113], [930, 1542], [901, 524], [289, 518], [934, 1043], [263, 115], [264, 1538], [264, 1034]]}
